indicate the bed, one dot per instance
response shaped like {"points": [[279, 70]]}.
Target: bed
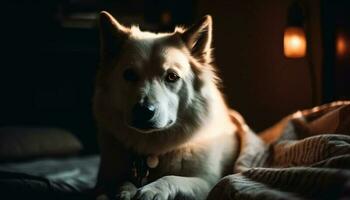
{"points": [[304, 156], [35, 166]]}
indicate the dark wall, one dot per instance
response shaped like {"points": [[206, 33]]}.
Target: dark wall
{"points": [[248, 40], [47, 71], [336, 31]]}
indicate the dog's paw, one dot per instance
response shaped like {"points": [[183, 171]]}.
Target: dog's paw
{"points": [[151, 193]]}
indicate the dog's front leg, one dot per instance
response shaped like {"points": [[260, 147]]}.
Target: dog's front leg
{"points": [[174, 187]]}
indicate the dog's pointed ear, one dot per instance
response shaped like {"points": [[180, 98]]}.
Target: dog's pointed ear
{"points": [[112, 34], [198, 39]]}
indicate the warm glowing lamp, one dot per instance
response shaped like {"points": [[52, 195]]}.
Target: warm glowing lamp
{"points": [[341, 45], [294, 41]]}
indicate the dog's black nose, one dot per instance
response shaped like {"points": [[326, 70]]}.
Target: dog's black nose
{"points": [[143, 113]]}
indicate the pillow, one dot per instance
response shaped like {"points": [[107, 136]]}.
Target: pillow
{"points": [[336, 121], [18, 143]]}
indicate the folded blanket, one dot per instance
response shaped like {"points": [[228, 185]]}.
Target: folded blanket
{"points": [[304, 156]]}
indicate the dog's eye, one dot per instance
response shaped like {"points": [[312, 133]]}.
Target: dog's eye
{"points": [[130, 75], [172, 77]]}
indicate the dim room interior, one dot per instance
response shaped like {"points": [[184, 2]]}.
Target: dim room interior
{"points": [[275, 58]]}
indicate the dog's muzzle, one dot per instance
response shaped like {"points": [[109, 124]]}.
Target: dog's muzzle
{"points": [[142, 114]]}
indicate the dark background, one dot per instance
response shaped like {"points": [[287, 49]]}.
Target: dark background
{"points": [[50, 55]]}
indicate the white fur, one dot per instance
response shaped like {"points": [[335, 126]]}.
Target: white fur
{"points": [[197, 149]]}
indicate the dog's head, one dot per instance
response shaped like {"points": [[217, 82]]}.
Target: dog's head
{"points": [[155, 80]]}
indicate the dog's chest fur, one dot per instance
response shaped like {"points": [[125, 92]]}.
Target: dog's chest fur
{"points": [[215, 154]]}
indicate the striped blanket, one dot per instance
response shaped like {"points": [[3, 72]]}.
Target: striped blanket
{"points": [[304, 156]]}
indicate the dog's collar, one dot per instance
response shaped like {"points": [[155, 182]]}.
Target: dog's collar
{"points": [[140, 168]]}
